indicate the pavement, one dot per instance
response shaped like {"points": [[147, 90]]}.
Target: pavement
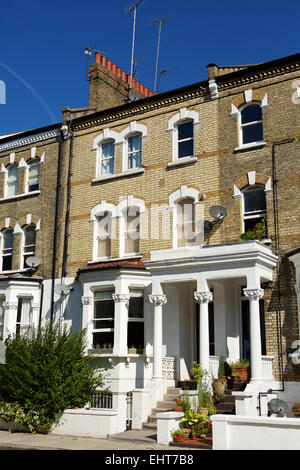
{"points": [[129, 440]]}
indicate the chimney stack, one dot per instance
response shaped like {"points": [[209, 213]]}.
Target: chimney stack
{"points": [[110, 85]]}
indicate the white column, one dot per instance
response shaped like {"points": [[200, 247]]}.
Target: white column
{"points": [[158, 301], [121, 323], [203, 298], [10, 318], [254, 295]]}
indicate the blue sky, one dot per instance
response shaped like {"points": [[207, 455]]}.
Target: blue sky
{"points": [[42, 61]]}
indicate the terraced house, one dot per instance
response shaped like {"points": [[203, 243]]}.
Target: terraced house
{"points": [[155, 191]]}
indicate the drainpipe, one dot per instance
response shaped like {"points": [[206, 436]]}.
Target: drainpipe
{"points": [[67, 217], [277, 249], [63, 135]]}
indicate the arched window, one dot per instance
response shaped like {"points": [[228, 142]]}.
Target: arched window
{"points": [[134, 152], [254, 206], [185, 138], [107, 157], [7, 249], [12, 180], [33, 181], [29, 243], [132, 231], [185, 222], [251, 127], [104, 235]]}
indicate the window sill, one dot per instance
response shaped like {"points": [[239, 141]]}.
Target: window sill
{"points": [[20, 196], [24, 270], [182, 161], [252, 146], [124, 258], [135, 171]]}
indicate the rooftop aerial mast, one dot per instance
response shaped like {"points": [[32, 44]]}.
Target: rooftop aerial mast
{"points": [[159, 21], [133, 9]]}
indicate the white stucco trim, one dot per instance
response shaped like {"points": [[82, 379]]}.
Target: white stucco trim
{"points": [[183, 114]]}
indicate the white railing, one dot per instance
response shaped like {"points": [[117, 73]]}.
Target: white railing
{"points": [[267, 369], [214, 366], [169, 368]]}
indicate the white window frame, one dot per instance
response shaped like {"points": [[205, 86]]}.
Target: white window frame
{"points": [[30, 253], [2, 247], [29, 167], [20, 325], [134, 128], [253, 214], [137, 320], [242, 126], [183, 193], [15, 165], [184, 115], [103, 330], [105, 136], [97, 212], [127, 204]]}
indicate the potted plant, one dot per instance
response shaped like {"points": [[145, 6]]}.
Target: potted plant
{"points": [[178, 435], [240, 368], [259, 232], [179, 405], [204, 394], [195, 421]]}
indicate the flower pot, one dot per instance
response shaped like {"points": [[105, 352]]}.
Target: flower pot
{"points": [[177, 438], [219, 386], [178, 408], [203, 411], [241, 371]]}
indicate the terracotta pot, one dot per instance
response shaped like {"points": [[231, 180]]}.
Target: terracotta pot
{"points": [[242, 372], [177, 438], [178, 408]]}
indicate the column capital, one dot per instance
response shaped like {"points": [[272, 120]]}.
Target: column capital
{"points": [[254, 294], [121, 297], [203, 297], [10, 305], [158, 300]]}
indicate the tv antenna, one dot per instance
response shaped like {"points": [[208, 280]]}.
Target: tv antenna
{"points": [[161, 73], [88, 51], [133, 9], [159, 21]]}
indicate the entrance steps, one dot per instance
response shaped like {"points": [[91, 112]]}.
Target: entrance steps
{"points": [[167, 404]]}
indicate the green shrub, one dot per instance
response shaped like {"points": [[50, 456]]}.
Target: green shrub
{"points": [[46, 372]]}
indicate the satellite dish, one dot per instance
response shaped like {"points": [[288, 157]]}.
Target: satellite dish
{"points": [[133, 96], [33, 261], [278, 407], [62, 289], [218, 212]]}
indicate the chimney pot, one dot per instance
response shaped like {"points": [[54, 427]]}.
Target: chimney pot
{"points": [[119, 71], [103, 61], [124, 76], [150, 93], [108, 64], [97, 57], [114, 68], [146, 91]]}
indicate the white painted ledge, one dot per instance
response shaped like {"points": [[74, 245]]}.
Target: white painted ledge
{"points": [[20, 196], [253, 145], [182, 161], [135, 171]]}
